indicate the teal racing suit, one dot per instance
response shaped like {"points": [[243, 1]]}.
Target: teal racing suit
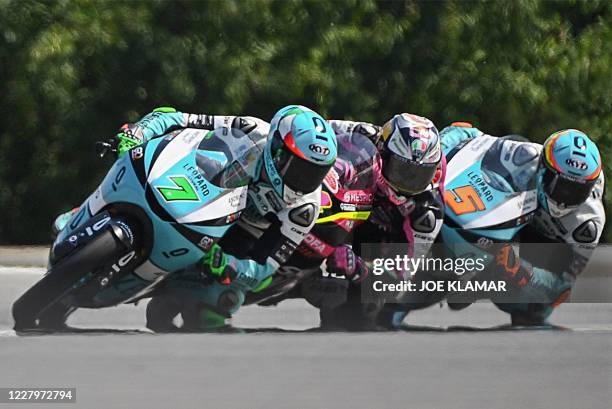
{"points": [[579, 232], [268, 230]]}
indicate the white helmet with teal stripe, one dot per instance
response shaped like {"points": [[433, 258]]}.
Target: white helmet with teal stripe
{"points": [[300, 150]]}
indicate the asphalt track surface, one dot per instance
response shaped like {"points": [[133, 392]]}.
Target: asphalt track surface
{"points": [[274, 362]]}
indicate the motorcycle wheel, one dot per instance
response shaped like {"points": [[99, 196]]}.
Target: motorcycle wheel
{"points": [[62, 277]]}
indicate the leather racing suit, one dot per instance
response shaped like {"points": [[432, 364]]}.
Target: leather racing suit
{"points": [[414, 220], [551, 276], [265, 236]]}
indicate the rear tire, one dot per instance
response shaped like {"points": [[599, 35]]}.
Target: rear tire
{"points": [[62, 277]]}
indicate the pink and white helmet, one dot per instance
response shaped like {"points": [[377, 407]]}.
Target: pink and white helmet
{"points": [[411, 153]]}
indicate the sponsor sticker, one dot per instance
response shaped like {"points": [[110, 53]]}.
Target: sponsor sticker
{"points": [[137, 153], [319, 149], [331, 180]]}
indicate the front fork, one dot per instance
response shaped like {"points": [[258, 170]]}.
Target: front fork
{"points": [[88, 231], [109, 271]]}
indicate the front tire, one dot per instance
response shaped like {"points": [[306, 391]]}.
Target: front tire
{"points": [[63, 276]]}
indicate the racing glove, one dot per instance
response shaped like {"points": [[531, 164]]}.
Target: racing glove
{"points": [[129, 137], [215, 266], [344, 262], [514, 270]]}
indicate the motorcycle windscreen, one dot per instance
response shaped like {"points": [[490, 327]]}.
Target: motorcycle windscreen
{"points": [[227, 160], [358, 162]]}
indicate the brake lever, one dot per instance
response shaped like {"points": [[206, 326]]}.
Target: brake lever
{"points": [[102, 148]]}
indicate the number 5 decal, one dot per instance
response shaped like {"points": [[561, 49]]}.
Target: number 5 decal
{"points": [[464, 200], [183, 190]]}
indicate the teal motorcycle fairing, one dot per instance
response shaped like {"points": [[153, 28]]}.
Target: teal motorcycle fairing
{"points": [[486, 199], [191, 185]]}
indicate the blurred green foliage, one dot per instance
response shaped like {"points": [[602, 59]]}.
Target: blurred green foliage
{"points": [[73, 71]]}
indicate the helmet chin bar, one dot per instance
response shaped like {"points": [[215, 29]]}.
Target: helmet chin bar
{"points": [[270, 175], [289, 196], [394, 196], [557, 210]]}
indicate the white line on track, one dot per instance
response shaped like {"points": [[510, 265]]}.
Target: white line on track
{"points": [[594, 328], [21, 270]]}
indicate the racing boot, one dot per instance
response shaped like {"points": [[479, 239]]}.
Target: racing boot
{"points": [[391, 317], [200, 318]]}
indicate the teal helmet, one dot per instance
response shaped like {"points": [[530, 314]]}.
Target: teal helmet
{"points": [[300, 150], [570, 165]]}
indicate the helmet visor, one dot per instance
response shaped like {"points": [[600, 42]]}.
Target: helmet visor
{"points": [[407, 176], [565, 191], [298, 174]]}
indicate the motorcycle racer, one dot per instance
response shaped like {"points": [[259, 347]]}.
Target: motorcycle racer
{"points": [[299, 148], [408, 205], [346, 202], [566, 173]]}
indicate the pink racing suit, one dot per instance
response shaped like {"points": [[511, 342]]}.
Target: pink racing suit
{"points": [[414, 220]]}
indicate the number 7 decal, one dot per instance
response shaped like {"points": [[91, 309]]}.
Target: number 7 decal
{"points": [[464, 200], [183, 191]]}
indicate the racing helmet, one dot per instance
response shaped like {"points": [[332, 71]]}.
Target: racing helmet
{"points": [[570, 165], [411, 153], [300, 150]]}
